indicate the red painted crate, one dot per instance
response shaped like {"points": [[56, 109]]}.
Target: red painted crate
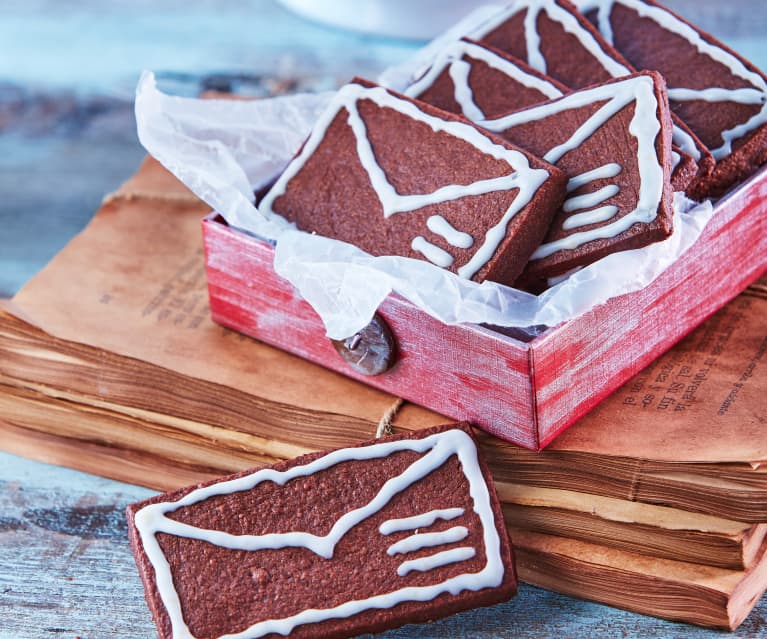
{"points": [[524, 392]]}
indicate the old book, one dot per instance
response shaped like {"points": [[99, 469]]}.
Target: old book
{"points": [[676, 590], [175, 450], [658, 531]]}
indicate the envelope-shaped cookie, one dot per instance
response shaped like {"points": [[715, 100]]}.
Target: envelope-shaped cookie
{"points": [[327, 545], [398, 177], [721, 96], [555, 39], [614, 142]]}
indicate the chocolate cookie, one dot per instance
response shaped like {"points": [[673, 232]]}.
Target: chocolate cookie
{"points": [[399, 177], [481, 82], [555, 39], [614, 142], [328, 545], [719, 94]]}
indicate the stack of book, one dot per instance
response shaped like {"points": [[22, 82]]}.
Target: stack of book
{"points": [[655, 502]]}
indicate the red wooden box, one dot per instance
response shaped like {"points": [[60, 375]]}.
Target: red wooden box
{"points": [[524, 392]]}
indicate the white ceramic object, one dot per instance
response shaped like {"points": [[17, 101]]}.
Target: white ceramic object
{"points": [[412, 19]]}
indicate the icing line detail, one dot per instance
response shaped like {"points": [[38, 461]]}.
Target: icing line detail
{"points": [[714, 94], [440, 226], [431, 252], [418, 521], [644, 127], [603, 172], [685, 142], [437, 560], [459, 71], [427, 540], [595, 216], [587, 200]]}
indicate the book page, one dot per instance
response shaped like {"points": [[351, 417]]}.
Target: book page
{"points": [[703, 401]]}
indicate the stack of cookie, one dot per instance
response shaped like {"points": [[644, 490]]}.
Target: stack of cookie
{"points": [[603, 95]]}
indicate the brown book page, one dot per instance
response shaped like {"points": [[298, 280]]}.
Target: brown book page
{"points": [[683, 591], [133, 282], [703, 401], [620, 510]]}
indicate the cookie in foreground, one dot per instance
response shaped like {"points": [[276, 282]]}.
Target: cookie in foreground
{"points": [[334, 544]]}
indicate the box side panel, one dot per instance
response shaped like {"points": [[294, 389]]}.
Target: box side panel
{"points": [[466, 373], [580, 363]]}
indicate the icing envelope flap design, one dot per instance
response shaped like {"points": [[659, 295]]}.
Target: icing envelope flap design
{"points": [[453, 195], [554, 38], [586, 60], [419, 543]]}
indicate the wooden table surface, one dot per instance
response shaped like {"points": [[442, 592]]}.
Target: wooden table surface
{"points": [[67, 71]]}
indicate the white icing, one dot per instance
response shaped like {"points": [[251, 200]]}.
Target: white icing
{"points": [[435, 449], [451, 57], [585, 131], [437, 560], [459, 74], [431, 252], [595, 216], [588, 200], [532, 38], [521, 176], [713, 94], [427, 540], [602, 172], [673, 24], [675, 160], [685, 142], [418, 521], [440, 226], [644, 127]]}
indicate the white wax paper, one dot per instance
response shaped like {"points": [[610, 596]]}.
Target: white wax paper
{"points": [[224, 149]]}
